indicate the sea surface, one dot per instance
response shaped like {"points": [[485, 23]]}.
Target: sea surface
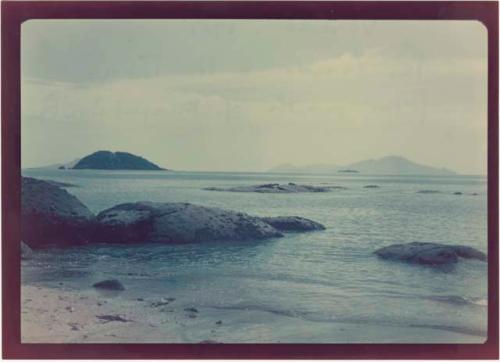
{"points": [[302, 287]]}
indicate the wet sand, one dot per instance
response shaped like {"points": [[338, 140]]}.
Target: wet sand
{"points": [[59, 315]]}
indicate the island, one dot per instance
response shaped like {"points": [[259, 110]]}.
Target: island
{"points": [[107, 160], [348, 171]]}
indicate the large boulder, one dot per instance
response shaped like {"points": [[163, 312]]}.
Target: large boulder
{"points": [[178, 223], [293, 223], [429, 253], [52, 216]]}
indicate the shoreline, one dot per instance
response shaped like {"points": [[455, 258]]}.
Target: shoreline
{"points": [[58, 315]]}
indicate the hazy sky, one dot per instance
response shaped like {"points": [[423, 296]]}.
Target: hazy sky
{"points": [[249, 95]]}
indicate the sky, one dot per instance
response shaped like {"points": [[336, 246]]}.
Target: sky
{"points": [[248, 95]]}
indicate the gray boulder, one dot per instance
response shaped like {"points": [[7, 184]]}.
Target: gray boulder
{"points": [[293, 223], [52, 216], [429, 253], [178, 223], [109, 284], [273, 188]]}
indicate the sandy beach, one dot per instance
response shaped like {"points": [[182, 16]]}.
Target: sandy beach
{"points": [[51, 315]]}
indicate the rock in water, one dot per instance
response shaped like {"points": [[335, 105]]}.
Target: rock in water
{"points": [[26, 252], [52, 216], [110, 284], [293, 223], [178, 223], [272, 188], [429, 253]]}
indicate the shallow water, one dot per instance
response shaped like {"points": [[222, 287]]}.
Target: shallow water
{"points": [[304, 283]]}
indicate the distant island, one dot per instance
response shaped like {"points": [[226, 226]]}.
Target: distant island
{"points": [[389, 165], [107, 160], [348, 171]]}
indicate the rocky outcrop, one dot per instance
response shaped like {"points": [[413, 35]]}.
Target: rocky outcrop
{"points": [[429, 253], [52, 216], [60, 184], [272, 188], [178, 223], [107, 160], [293, 223]]}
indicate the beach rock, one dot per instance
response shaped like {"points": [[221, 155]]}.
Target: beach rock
{"points": [[429, 253], [52, 216], [26, 252], [272, 188], [106, 318], [143, 222], [110, 284], [293, 223]]}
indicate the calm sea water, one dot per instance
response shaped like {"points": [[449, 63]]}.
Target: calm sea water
{"points": [[314, 279]]}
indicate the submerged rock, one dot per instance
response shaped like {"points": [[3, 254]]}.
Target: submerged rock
{"points": [[109, 284], [26, 252], [371, 186], [428, 192], [272, 188], [429, 253], [52, 216], [457, 193], [142, 222], [293, 223]]}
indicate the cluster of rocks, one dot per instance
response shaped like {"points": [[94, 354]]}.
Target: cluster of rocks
{"points": [[273, 188], [52, 216]]}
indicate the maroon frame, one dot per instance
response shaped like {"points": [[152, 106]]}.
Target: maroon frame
{"points": [[15, 12]]}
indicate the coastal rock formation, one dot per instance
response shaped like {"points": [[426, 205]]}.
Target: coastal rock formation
{"points": [[178, 223], [107, 160], [52, 216], [293, 223], [60, 184], [272, 188], [429, 253]]}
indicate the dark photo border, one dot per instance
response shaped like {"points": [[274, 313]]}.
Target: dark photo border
{"points": [[14, 13]]}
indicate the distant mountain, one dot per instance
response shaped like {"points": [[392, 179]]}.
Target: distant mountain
{"points": [[107, 160], [389, 165], [396, 165]]}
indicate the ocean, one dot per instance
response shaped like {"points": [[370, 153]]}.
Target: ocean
{"points": [[305, 287]]}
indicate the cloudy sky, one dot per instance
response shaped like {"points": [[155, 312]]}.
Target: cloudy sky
{"points": [[250, 95]]}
